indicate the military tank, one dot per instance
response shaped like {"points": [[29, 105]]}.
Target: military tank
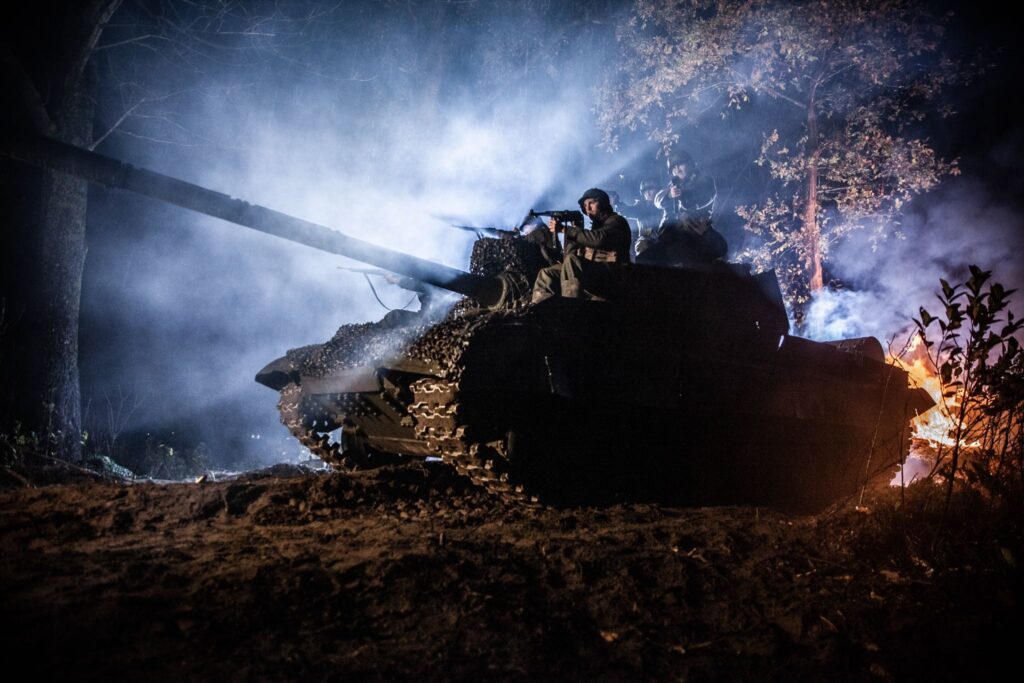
{"points": [[682, 385]]}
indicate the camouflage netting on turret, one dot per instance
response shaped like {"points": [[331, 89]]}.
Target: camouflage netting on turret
{"points": [[515, 262], [423, 337], [492, 257]]}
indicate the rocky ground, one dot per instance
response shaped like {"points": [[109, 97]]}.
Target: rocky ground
{"points": [[410, 572]]}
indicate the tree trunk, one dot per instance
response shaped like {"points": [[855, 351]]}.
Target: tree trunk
{"points": [[811, 231], [62, 230], [45, 56]]}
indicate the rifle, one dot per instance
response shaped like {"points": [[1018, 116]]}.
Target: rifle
{"points": [[561, 216]]}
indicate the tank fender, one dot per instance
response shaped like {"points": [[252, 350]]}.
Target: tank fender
{"points": [[868, 347], [919, 401], [278, 373]]}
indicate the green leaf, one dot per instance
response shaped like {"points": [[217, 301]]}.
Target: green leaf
{"points": [[946, 372]]}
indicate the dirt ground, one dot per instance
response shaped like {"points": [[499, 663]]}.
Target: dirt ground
{"points": [[409, 572]]}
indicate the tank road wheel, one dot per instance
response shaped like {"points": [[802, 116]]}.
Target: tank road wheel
{"points": [[358, 451], [313, 430]]}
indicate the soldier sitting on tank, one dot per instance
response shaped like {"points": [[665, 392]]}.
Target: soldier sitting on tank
{"points": [[685, 236], [590, 256], [643, 213]]}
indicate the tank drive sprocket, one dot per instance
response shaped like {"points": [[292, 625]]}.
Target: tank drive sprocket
{"points": [[313, 430]]}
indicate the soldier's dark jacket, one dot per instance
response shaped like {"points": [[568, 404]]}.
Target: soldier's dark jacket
{"points": [[610, 233], [696, 201]]}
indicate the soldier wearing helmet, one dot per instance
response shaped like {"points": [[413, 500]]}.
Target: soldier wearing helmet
{"points": [[643, 213], [685, 236], [589, 254]]}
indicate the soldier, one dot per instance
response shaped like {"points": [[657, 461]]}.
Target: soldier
{"points": [[685, 236], [691, 192], [589, 254], [645, 214], [649, 189]]}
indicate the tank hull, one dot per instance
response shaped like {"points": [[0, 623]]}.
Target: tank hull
{"points": [[647, 409]]}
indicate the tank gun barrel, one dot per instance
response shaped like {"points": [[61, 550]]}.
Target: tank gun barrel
{"points": [[98, 169]]}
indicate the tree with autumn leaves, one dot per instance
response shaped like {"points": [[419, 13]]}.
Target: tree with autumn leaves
{"points": [[845, 87]]}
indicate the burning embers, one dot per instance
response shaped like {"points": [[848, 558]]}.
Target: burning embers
{"points": [[936, 426], [970, 359], [933, 431]]}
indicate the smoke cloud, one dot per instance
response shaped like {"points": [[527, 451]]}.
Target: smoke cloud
{"points": [[182, 310], [960, 225]]}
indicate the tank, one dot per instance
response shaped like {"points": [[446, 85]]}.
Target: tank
{"points": [[683, 386]]}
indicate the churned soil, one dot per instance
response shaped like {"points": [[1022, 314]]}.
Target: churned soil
{"points": [[410, 572]]}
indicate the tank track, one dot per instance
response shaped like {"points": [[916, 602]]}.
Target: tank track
{"points": [[438, 417], [303, 427], [435, 409]]}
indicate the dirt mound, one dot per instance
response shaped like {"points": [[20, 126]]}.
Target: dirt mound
{"points": [[411, 572]]}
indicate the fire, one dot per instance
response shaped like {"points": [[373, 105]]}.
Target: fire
{"points": [[936, 426]]}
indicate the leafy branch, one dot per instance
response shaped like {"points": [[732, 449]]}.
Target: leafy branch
{"points": [[979, 362]]}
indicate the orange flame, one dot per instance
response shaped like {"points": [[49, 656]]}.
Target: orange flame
{"points": [[936, 425]]}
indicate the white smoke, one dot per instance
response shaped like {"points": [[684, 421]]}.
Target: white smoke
{"points": [[957, 226], [210, 303]]}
